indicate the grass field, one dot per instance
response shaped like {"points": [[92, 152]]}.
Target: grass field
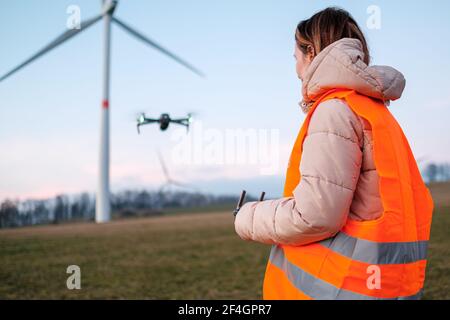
{"points": [[188, 256]]}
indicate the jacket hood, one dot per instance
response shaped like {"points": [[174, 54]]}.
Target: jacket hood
{"points": [[341, 65]]}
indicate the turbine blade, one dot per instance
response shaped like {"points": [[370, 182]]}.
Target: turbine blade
{"points": [[59, 40], [163, 165], [156, 46]]}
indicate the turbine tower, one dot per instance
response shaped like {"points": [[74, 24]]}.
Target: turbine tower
{"points": [[103, 204]]}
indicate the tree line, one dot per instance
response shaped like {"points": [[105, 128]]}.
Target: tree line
{"points": [[134, 203], [81, 207], [435, 172]]}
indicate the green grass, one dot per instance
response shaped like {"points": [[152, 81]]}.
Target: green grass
{"points": [[191, 256], [437, 283]]}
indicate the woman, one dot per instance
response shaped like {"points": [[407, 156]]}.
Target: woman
{"points": [[355, 217]]}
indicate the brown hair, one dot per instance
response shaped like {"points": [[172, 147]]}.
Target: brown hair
{"points": [[326, 27]]}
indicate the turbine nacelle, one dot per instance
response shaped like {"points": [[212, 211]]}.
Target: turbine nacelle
{"points": [[108, 6]]}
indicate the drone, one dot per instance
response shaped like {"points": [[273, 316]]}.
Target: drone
{"points": [[164, 120]]}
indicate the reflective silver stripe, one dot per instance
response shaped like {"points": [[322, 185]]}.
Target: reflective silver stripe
{"points": [[376, 252], [317, 288]]}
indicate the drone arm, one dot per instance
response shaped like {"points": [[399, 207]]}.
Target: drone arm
{"points": [[180, 121], [146, 121], [149, 120]]}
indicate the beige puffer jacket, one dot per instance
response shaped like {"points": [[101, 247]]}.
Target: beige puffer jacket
{"points": [[339, 180]]}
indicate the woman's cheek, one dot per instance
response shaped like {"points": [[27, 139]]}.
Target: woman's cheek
{"points": [[299, 69]]}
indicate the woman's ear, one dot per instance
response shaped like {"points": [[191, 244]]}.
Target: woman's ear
{"points": [[310, 53]]}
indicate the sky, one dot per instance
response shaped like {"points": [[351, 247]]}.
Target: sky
{"points": [[50, 110]]}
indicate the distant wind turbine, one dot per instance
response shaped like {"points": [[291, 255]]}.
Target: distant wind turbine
{"points": [[103, 205], [169, 180]]}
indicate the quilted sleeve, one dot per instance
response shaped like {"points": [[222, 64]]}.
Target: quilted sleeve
{"points": [[330, 167]]}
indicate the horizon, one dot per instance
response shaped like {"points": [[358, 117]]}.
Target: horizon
{"points": [[49, 113]]}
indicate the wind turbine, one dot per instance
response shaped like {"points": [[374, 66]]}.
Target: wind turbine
{"points": [[169, 180], [103, 206]]}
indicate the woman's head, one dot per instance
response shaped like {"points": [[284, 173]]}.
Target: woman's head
{"points": [[322, 29]]}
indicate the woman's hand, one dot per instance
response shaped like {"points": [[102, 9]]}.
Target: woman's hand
{"points": [[330, 168]]}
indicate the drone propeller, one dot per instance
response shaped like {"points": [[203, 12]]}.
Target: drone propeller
{"points": [[190, 119], [140, 119]]}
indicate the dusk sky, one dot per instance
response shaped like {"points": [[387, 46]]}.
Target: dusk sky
{"points": [[50, 111]]}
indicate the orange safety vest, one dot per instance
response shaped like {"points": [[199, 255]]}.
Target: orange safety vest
{"points": [[378, 259]]}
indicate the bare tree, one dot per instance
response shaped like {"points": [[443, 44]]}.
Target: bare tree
{"points": [[9, 214]]}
